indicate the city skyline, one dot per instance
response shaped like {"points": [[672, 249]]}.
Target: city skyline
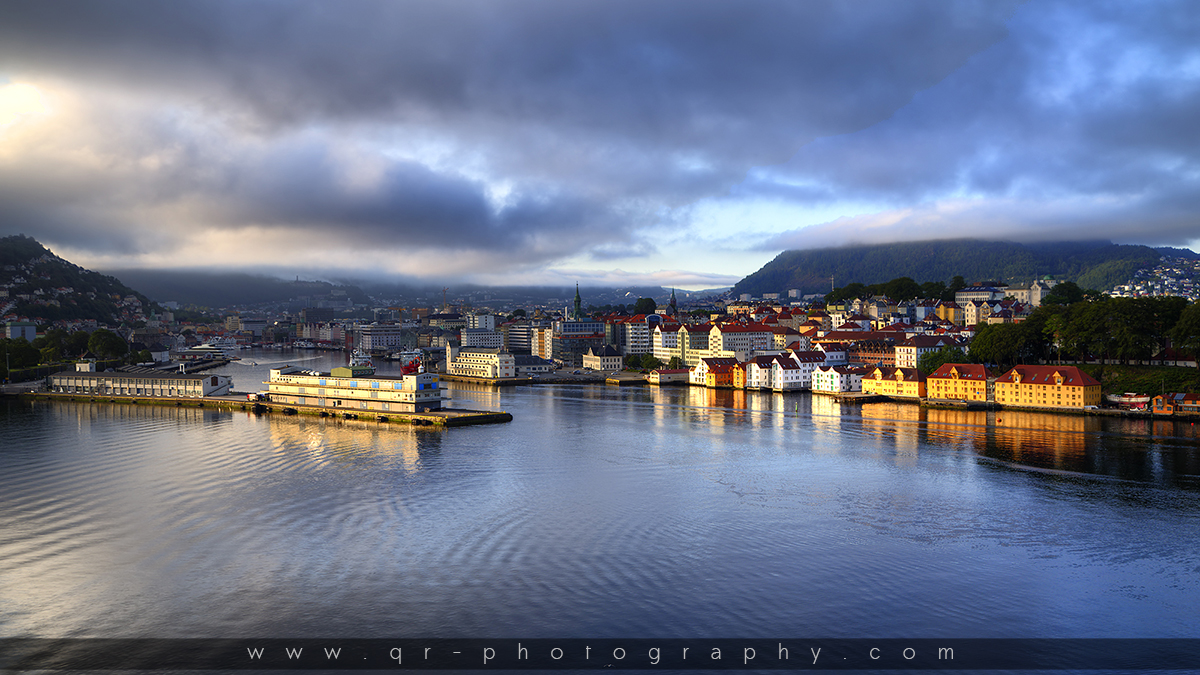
{"points": [[534, 143]]}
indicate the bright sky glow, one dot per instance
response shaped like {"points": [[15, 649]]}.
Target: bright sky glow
{"points": [[19, 99]]}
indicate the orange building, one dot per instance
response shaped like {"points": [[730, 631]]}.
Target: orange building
{"points": [[1047, 387], [895, 383], [959, 382], [1174, 404]]}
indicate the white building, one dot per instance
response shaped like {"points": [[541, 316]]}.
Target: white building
{"points": [[480, 362], [481, 337], [775, 372], [482, 321], [807, 362], [739, 341], [349, 390], [911, 350], [140, 382], [837, 379], [377, 337], [605, 358]]}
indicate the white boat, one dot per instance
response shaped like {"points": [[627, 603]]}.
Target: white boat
{"points": [[1128, 400]]}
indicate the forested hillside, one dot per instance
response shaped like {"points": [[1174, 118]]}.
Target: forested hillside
{"points": [[1099, 265], [44, 287]]}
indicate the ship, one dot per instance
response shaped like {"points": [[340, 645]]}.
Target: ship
{"points": [[360, 361], [410, 362]]}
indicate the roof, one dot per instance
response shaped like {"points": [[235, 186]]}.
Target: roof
{"points": [[899, 374], [924, 341], [808, 357], [744, 328], [844, 370], [966, 371], [145, 374], [605, 351], [1071, 375]]}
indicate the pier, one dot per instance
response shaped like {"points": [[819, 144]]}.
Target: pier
{"points": [[445, 417]]}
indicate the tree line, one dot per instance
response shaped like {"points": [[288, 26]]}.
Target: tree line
{"points": [[57, 346], [1120, 329]]}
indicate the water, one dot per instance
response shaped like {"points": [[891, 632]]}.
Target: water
{"points": [[598, 512]]}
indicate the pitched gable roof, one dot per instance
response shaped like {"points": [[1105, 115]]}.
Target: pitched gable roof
{"points": [[1071, 375]]}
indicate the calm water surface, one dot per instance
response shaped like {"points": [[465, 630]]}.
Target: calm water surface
{"points": [[598, 512]]}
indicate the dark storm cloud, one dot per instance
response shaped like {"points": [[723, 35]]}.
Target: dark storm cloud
{"points": [[597, 115], [1093, 104]]}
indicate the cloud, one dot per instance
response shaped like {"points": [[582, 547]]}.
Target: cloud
{"points": [[1079, 125], [511, 134]]}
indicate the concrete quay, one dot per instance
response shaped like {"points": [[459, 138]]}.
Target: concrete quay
{"points": [[446, 417]]}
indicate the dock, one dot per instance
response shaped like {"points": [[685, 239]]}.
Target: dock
{"points": [[446, 417]]}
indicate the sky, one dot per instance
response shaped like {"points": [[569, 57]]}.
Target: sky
{"points": [[614, 142]]}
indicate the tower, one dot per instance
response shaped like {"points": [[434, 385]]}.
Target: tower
{"points": [[578, 304]]}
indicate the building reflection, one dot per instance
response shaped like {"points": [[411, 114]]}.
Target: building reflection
{"points": [[341, 441], [896, 425]]}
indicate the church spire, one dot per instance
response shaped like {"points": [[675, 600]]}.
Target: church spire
{"points": [[578, 303]]}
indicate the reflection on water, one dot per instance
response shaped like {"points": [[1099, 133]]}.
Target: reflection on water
{"points": [[335, 440], [599, 511]]}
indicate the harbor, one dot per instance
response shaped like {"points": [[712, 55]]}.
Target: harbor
{"points": [[398, 395], [446, 417]]}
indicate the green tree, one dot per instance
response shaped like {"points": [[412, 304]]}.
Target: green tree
{"points": [[50, 354], [106, 344], [1066, 293], [633, 361], [848, 292], [650, 362], [933, 289], [675, 363], [22, 354], [903, 288], [644, 306], [1003, 344], [1186, 333], [76, 344], [931, 361], [1055, 330]]}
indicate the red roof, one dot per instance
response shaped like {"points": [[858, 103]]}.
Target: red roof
{"points": [[1071, 375], [966, 371], [910, 374], [808, 357]]}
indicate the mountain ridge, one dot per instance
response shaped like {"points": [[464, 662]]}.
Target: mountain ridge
{"points": [[1090, 264]]}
